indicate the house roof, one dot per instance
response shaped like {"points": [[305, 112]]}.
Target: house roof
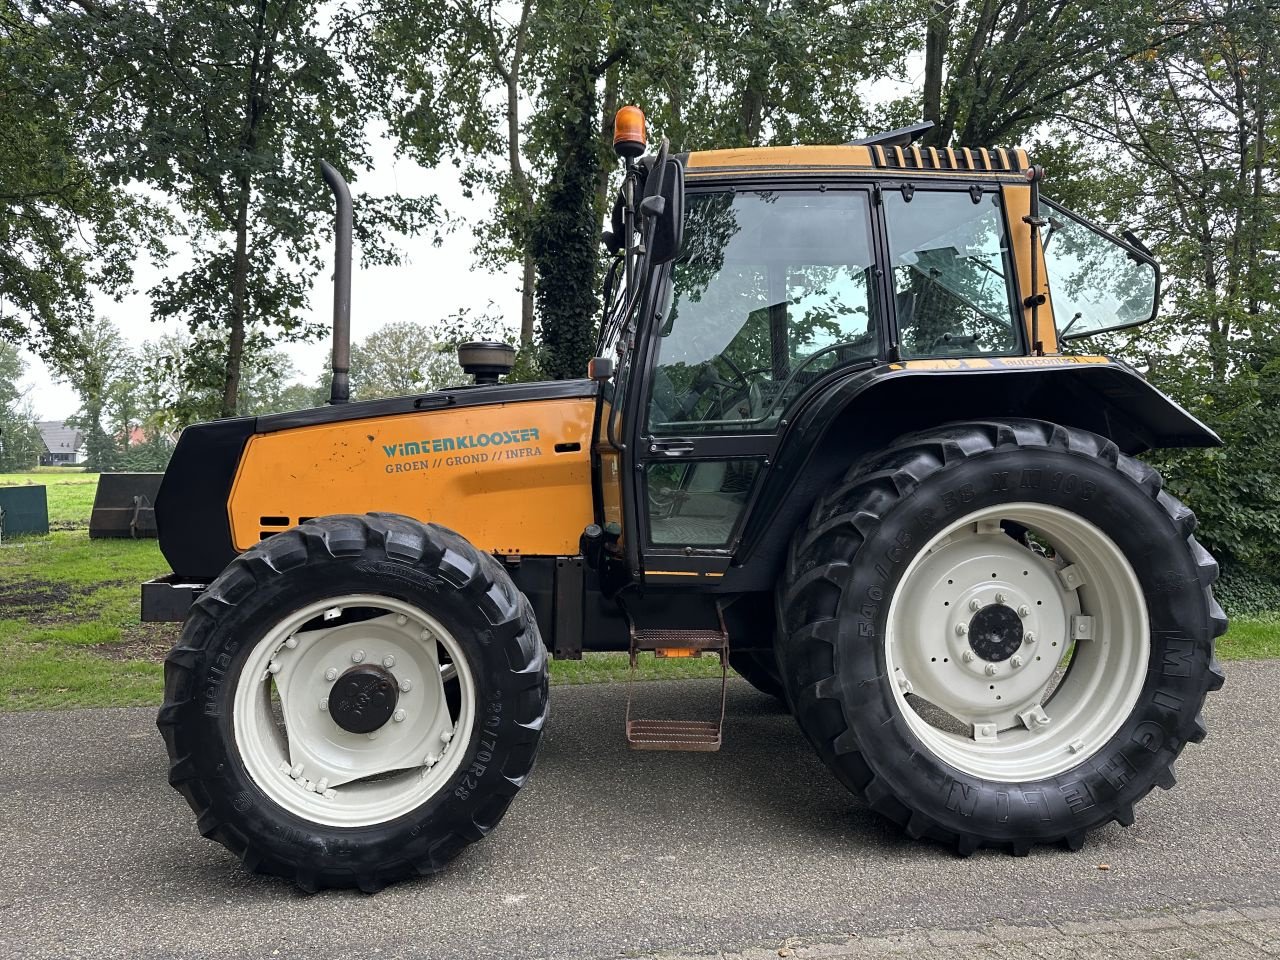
{"points": [[58, 437]]}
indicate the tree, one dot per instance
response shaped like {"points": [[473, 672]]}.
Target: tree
{"points": [[459, 84], [995, 69], [67, 227], [1190, 135], [19, 440], [404, 358], [225, 109], [565, 242], [94, 358]]}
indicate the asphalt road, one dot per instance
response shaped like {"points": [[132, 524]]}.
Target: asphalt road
{"points": [[609, 853]]}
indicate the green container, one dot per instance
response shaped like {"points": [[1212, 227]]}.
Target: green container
{"points": [[23, 510]]}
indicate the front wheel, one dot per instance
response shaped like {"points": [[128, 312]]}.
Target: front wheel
{"points": [[1000, 633], [353, 701]]}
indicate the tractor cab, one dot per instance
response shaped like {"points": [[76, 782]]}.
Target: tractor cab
{"points": [[746, 285]]}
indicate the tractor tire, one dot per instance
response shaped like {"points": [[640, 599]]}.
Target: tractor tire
{"points": [[1000, 633], [354, 700], [760, 670]]}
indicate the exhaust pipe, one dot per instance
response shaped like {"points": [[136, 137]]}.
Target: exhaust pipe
{"points": [[341, 390]]}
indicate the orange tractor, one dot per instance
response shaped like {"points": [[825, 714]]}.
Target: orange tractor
{"points": [[831, 435]]}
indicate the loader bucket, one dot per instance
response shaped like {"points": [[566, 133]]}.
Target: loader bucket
{"points": [[125, 505]]}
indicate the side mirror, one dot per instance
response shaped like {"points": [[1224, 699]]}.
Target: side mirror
{"points": [[668, 233], [600, 369]]}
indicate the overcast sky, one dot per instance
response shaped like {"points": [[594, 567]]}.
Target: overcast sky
{"points": [[433, 283]]}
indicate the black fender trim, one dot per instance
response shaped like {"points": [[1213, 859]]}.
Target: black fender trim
{"points": [[192, 505], [861, 413]]}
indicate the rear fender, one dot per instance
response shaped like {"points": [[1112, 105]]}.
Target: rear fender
{"points": [[860, 414]]}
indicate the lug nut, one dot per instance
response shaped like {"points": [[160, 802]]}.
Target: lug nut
{"points": [[331, 674], [357, 656], [291, 642], [324, 704], [398, 716], [401, 620], [406, 685], [1028, 637], [962, 629], [1024, 611], [1001, 598], [991, 670], [1015, 661], [975, 603], [388, 661], [968, 656]]}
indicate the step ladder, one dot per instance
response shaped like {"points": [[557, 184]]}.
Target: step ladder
{"points": [[690, 735]]}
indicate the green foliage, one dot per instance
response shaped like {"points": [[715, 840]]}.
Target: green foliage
{"points": [[1248, 594], [405, 358], [92, 360], [67, 227], [20, 444], [565, 241], [1235, 489], [224, 110]]}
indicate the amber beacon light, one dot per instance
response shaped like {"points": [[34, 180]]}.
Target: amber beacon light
{"points": [[628, 132]]}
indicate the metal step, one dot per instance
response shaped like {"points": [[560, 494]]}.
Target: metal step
{"points": [[688, 735], [658, 640]]}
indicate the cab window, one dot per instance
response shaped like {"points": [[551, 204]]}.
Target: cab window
{"points": [[1096, 282], [772, 290], [952, 273]]}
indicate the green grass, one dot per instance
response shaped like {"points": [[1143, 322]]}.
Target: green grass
{"points": [[1251, 640], [69, 493], [70, 635]]}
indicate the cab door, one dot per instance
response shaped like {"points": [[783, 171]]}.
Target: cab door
{"points": [[774, 290]]}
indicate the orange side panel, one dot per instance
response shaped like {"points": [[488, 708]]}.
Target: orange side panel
{"points": [[1017, 204], [800, 156], [492, 473]]}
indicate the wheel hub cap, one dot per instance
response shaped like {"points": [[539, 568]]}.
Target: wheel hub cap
{"points": [[363, 699], [1019, 663], [995, 633]]}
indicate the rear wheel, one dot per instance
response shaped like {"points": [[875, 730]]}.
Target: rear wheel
{"points": [[760, 669], [1000, 633], [354, 701]]}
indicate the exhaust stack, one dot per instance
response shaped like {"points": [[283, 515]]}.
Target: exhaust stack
{"points": [[341, 390]]}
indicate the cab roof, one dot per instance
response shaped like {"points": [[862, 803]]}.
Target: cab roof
{"points": [[915, 160]]}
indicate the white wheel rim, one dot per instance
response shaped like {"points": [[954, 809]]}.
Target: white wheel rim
{"points": [[1017, 717], [299, 755]]}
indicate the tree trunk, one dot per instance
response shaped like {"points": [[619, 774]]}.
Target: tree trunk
{"points": [[610, 106], [527, 284], [239, 291], [937, 32]]}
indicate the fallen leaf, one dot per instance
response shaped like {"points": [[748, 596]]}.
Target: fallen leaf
{"points": [[1104, 866]]}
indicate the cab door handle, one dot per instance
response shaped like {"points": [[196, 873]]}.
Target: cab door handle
{"points": [[671, 448]]}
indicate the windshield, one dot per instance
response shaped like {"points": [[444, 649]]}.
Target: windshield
{"points": [[772, 290], [1096, 282]]}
